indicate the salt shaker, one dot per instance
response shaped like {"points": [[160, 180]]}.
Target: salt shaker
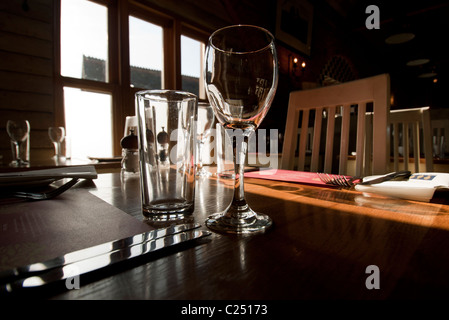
{"points": [[130, 153]]}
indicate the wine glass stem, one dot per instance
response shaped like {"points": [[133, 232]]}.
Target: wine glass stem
{"points": [[57, 147], [239, 206], [200, 156], [17, 149]]}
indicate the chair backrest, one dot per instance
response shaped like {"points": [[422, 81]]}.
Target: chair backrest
{"points": [[329, 100], [410, 122], [440, 136]]}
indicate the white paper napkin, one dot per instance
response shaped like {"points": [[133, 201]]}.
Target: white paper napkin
{"points": [[419, 187]]}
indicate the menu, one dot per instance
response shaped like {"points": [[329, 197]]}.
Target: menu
{"points": [[35, 231]]}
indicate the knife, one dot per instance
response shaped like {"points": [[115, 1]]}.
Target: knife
{"points": [[90, 252], [101, 261], [393, 175], [82, 172]]}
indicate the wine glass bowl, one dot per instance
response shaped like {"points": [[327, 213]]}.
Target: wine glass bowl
{"points": [[241, 76], [204, 125], [57, 135], [18, 131]]}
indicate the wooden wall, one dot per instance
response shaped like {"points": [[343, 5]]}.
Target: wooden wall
{"points": [[26, 72]]}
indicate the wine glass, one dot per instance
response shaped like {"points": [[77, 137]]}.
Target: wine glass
{"points": [[57, 135], [241, 76], [18, 131], [204, 125]]}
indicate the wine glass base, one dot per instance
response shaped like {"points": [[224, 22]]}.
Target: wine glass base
{"points": [[56, 157], [224, 224], [203, 173], [19, 163]]}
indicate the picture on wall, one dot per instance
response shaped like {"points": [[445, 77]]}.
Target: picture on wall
{"points": [[294, 24]]}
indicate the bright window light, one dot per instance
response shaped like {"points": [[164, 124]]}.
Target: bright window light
{"points": [[145, 54], [88, 117], [192, 52], [84, 40]]}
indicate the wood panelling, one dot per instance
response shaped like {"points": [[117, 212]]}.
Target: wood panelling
{"points": [[23, 63], [26, 72], [12, 42], [25, 102], [25, 82], [23, 25], [40, 10]]}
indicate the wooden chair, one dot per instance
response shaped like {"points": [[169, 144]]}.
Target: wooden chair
{"points": [[353, 95], [410, 122]]}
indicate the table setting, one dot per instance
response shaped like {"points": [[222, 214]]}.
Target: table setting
{"points": [[190, 231]]}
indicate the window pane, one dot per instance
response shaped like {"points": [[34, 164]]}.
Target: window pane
{"points": [[191, 56], [145, 54], [88, 118], [84, 40]]}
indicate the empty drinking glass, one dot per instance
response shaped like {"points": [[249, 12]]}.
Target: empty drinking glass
{"points": [[19, 132], [204, 126]]}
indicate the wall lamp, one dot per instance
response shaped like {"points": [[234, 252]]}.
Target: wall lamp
{"points": [[296, 69]]}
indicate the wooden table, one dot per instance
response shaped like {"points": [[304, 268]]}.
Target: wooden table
{"points": [[325, 244]]}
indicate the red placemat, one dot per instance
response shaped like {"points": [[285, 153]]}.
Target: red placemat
{"points": [[310, 178]]}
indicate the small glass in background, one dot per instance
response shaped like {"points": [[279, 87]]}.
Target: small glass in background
{"points": [[57, 136], [19, 132], [205, 125]]}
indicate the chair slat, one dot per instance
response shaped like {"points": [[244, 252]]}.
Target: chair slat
{"points": [[416, 149], [330, 129], [314, 161], [303, 140], [405, 144], [344, 139], [396, 146], [360, 144]]}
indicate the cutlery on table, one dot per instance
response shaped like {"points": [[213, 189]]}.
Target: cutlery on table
{"points": [[97, 257], [348, 182], [44, 195]]}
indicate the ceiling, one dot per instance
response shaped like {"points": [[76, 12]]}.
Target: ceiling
{"points": [[427, 20]]}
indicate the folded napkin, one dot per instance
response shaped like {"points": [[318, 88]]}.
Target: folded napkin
{"points": [[46, 176], [419, 187]]}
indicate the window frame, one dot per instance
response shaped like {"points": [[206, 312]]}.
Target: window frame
{"points": [[118, 85]]}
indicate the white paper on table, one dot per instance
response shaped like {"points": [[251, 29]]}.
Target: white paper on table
{"points": [[419, 187]]}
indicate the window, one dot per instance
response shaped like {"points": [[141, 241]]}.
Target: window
{"points": [[192, 52], [84, 55], [108, 51], [145, 54], [84, 40]]}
